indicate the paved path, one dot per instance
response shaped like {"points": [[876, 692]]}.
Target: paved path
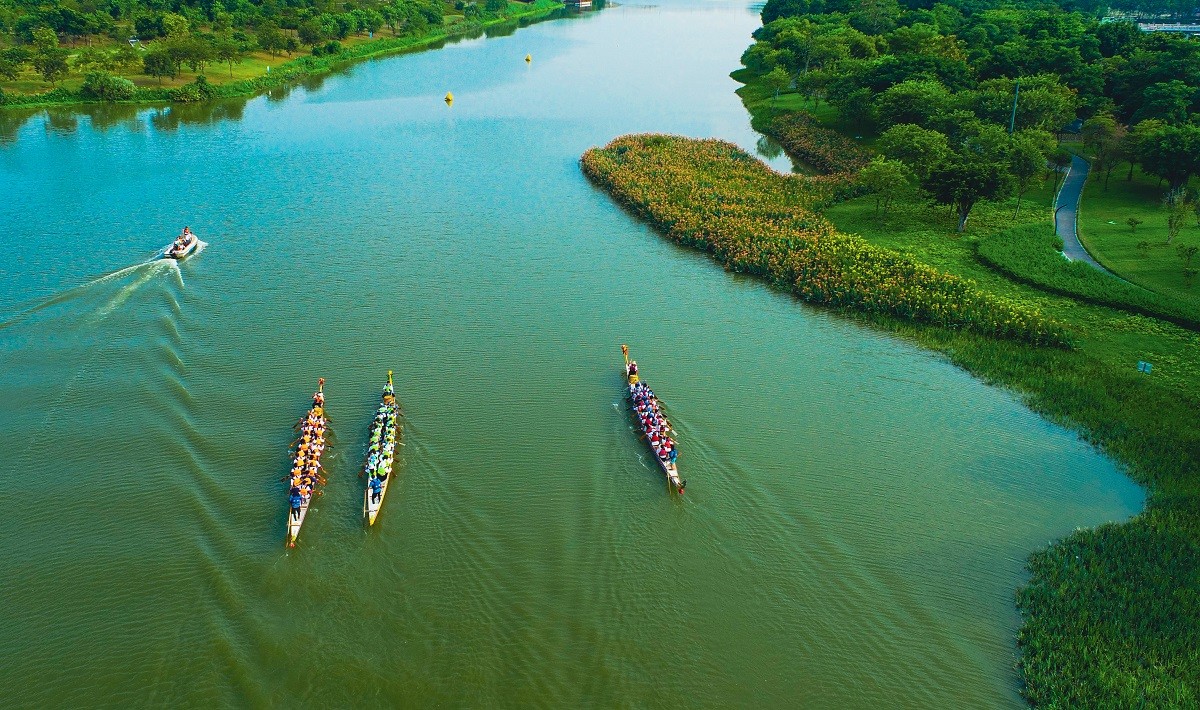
{"points": [[1066, 206]]}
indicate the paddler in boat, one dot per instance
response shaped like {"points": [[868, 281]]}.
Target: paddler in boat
{"points": [[376, 485], [632, 368], [295, 500]]}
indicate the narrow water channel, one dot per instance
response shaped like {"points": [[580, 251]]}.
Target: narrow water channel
{"points": [[857, 514]]}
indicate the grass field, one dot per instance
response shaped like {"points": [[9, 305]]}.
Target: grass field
{"points": [[1104, 230]]}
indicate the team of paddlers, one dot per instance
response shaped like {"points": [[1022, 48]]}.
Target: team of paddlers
{"points": [[654, 425], [381, 449], [306, 468]]}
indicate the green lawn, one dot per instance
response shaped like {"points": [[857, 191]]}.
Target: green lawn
{"points": [[1103, 229]]}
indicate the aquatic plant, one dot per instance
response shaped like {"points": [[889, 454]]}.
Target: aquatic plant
{"points": [[712, 195]]}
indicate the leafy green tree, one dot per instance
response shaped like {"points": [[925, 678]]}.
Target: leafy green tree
{"points": [[886, 180], [1026, 158], [1117, 37], [777, 80], [1043, 102], [270, 38], [1102, 135], [310, 33], [915, 101], [1171, 153], [495, 5], [228, 51], [50, 60], [1179, 204], [175, 26], [962, 182], [44, 39], [1167, 100], [875, 17], [921, 149], [158, 63], [12, 60]]}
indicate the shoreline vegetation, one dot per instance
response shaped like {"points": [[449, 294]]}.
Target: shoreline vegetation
{"points": [[1110, 613], [291, 71]]}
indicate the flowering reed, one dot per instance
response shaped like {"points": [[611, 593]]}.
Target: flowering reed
{"points": [[711, 195]]}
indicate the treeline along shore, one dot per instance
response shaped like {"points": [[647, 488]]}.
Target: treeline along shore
{"points": [[205, 52], [940, 133]]}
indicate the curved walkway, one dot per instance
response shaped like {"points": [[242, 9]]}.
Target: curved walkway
{"points": [[1066, 205]]}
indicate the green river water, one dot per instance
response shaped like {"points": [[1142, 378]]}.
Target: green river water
{"points": [[858, 511]]}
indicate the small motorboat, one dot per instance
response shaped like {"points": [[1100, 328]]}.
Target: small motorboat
{"points": [[183, 246]]}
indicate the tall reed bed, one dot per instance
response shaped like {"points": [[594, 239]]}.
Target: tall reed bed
{"points": [[712, 195]]}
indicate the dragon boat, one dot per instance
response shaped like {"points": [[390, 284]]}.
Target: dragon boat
{"points": [[652, 423], [381, 452], [305, 477]]}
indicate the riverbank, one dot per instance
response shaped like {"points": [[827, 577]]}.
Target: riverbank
{"points": [[203, 87], [1109, 613]]}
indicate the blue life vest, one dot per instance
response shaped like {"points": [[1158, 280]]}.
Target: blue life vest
{"points": [[296, 500]]}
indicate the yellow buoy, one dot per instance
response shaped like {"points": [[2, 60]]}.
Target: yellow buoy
{"points": [[528, 57], [449, 97]]}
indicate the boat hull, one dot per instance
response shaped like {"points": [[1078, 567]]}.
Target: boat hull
{"points": [[187, 251], [669, 469], [388, 432]]}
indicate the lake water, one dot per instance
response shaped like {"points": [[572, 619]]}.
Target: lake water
{"points": [[858, 510]]}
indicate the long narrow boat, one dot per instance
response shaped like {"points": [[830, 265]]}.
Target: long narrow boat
{"points": [[305, 478], [653, 425], [381, 452]]}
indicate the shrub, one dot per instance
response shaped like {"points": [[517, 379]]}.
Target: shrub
{"points": [[328, 49], [198, 90], [103, 86]]}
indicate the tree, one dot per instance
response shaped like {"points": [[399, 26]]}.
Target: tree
{"points": [[228, 51], [1027, 156], [777, 79], [1166, 100], [1186, 253], [1043, 102], [495, 5], [158, 63], [175, 26], [1133, 223], [51, 63], [961, 182], [886, 179], [918, 148], [1102, 135], [103, 86], [1179, 204], [310, 33], [875, 17], [12, 60], [1171, 153], [270, 37], [915, 101]]}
